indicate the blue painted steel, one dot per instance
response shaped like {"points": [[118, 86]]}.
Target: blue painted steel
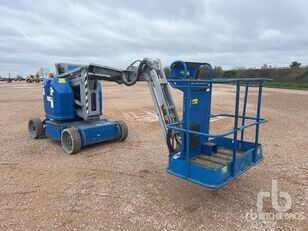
{"points": [[188, 70], [60, 114], [261, 82], [244, 110], [234, 146], [58, 99], [91, 131], [53, 130], [216, 178], [171, 126], [187, 114], [96, 131], [195, 126]]}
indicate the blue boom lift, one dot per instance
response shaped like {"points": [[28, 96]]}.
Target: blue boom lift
{"points": [[195, 154], [73, 105]]}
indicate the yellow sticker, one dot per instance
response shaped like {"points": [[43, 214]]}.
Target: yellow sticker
{"points": [[61, 80], [224, 169], [195, 101]]}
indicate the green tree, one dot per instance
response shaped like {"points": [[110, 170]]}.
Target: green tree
{"points": [[167, 72], [295, 64], [218, 71]]}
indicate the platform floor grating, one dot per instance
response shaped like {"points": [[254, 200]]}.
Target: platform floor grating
{"points": [[217, 160]]}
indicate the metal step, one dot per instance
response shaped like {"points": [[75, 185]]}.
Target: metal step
{"points": [[214, 159], [206, 163], [229, 152], [217, 160], [223, 156]]}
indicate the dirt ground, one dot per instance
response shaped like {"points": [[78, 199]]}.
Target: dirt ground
{"points": [[115, 185]]}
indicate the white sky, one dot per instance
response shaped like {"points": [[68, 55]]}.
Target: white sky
{"points": [[236, 33]]}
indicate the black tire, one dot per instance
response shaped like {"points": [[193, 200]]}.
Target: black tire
{"points": [[71, 141], [35, 128], [123, 129]]}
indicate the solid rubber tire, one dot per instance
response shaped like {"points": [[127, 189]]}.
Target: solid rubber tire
{"points": [[124, 130], [71, 140], [35, 128]]}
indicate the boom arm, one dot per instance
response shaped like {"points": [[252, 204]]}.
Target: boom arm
{"points": [[127, 76], [163, 102]]}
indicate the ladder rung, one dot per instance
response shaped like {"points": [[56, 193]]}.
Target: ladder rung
{"points": [[169, 107]]}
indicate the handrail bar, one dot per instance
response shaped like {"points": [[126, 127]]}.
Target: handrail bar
{"points": [[200, 133], [230, 115], [173, 126], [219, 80]]}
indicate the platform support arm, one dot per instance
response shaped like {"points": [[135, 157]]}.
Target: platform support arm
{"points": [[187, 120], [244, 111], [234, 149], [261, 82]]}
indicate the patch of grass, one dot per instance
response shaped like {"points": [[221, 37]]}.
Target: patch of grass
{"points": [[287, 85]]}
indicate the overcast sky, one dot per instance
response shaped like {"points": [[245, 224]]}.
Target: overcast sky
{"points": [[36, 34]]}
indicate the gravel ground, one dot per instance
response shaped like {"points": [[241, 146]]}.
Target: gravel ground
{"points": [[124, 185]]}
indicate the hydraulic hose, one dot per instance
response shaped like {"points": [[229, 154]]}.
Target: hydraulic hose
{"points": [[131, 71]]}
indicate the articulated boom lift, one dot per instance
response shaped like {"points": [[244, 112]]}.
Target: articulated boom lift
{"points": [[73, 105]]}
